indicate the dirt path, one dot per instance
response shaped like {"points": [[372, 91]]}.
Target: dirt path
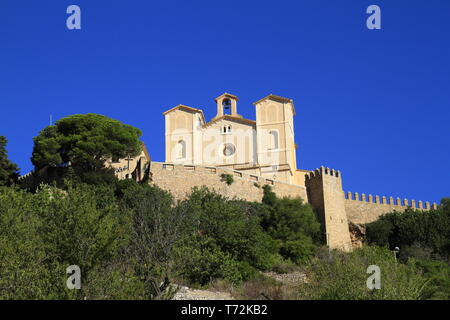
{"points": [[293, 278], [185, 293]]}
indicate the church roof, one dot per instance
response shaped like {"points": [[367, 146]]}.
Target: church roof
{"points": [[228, 95], [231, 118], [144, 148], [186, 108], [277, 99]]}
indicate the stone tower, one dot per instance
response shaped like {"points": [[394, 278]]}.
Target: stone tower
{"points": [[226, 105], [275, 135], [324, 188]]}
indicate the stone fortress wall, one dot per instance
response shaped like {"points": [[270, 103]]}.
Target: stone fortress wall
{"points": [[323, 191], [362, 209], [179, 180]]}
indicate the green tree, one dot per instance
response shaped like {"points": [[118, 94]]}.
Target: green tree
{"points": [[223, 238], [8, 170], [156, 226], [43, 233], [86, 141], [413, 228], [292, 223]]}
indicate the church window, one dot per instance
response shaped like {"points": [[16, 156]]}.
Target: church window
{"points": [[226, 129], [229, 149], [274, 140]]}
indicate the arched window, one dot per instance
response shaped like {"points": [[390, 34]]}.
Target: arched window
{"points": [[226, 130], [274, 142], [226, 104], [181, 149]]}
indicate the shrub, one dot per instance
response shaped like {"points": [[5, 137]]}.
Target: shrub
{"points": [[343, 277], [227, 178], [438, 273], [428, 229], [292, 223], [217, 227], [201, 261], [379, 232], [155, 227], [298, 251], [43, 233]]}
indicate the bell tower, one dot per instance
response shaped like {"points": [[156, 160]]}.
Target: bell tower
{"points": [[227, 105], [275, 134]]}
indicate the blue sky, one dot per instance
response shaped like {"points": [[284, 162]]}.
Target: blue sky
{"points": [[374, 104]]}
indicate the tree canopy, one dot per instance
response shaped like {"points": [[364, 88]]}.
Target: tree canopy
{"points": [[86, 141], [8, 170]]}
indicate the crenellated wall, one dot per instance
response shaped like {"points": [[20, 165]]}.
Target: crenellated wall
{"points": [[179, 180], [363, 209]]}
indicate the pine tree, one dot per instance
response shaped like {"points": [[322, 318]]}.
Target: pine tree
{"points": [[8, 170]]}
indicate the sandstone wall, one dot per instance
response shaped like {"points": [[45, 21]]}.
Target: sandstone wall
{"points": [[326, 196], [179, 180], [362, 209]]}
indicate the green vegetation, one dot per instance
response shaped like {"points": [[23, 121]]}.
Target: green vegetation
{"points": [[292, 223], [342, 276], [133, 240], [8, 170], [223, 240], [85, 141], [424, 241], [414, 230], [227, 178], [130, 240]]}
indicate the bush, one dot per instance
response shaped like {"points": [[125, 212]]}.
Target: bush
{"points": [[219, 229], [379, 232], [155, 227], [298, 251], [438, 273], [427, 229], [44, 233], [201, 261], [292, 224], [343, 277], [227, 178]]}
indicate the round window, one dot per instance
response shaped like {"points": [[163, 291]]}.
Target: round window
{"points": [[229, 149]]}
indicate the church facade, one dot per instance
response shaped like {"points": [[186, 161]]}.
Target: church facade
{"points": [[265, 146]]}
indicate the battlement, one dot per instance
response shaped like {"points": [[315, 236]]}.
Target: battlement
{"points": [[217, 171], [26, 176], [405, 203], [322, 171], [362, 208], [179, 180]]}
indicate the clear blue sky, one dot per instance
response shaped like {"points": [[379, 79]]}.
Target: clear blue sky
{"points": [[374, 104]]}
